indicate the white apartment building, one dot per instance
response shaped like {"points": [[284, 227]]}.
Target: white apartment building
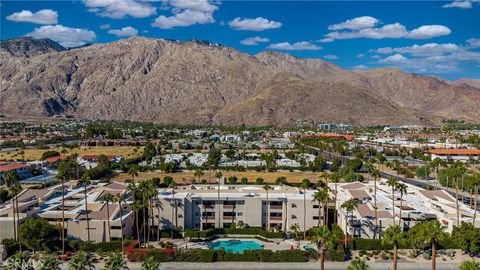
{"points": [[417, 205], [210, 206]]}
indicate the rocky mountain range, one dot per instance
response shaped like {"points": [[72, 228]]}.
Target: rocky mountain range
{"points": [[198, 82]]}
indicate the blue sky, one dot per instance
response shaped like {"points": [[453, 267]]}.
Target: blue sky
{"points": [[432, 37]]}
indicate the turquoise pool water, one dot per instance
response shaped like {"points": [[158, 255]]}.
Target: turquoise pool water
{"points": [[237, 246]]}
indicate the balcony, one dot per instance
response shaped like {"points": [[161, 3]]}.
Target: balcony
{"points": [[276, 207], [209, 218], [275, 218], [228, 206], [228, 218]]}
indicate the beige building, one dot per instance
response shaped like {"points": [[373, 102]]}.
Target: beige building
{"points": [[211, 206], [47, 203]]}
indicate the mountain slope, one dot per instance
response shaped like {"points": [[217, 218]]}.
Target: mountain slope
{"points": [[199, 82]]}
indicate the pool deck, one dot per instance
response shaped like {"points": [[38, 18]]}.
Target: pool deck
{"points": [[276, 244]]}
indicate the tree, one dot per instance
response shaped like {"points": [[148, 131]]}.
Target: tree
{"points": [[475, 182], [304, 185], [136, 205], [349, 206], [431, 234], [85, 181], [10, 178], [119, 199], [198, 174], [321, 196], [149, 151], [402, 188], [150, 264], [167, 180], [470, 265], [50, 262], [107, 199], [392, 236], [259, 181], [335, 177], [34, 231], [320, 237], [267, 187], [376, 175], [115, 262], [15, 189], [393, 183], [357, 264], [244, 180], [62, 178], [218, 175], [82, 261], [133, 172], [295, 228], [173, 185]]}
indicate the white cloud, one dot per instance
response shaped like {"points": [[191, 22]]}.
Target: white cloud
{"points": [[394, 59], [297, 46], [257, 24], [66, 36], [474, 42], [360, 55], [376, 56], [367, 27], [326, 40], [360, 67], [44, 16], [395, 30], [429, 31], [330, 57], [105, 26], [355, 24], [119, 9], [186, 13], [251, 41], [421, 50], [124, 32], [459, 4]]}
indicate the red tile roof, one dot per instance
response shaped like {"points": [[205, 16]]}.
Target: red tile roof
{"points": [[55, 159], [11, 167]]}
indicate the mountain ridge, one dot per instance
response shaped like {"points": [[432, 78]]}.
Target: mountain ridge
{"points": [[166, 81]]}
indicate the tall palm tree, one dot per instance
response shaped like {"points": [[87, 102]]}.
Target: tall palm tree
{"points": [[10, 178], [304, 185], [402, 188], [151, 194], [432, 233], [393, 183], [13, 192], [392, 236], [295, 228], [198, 174], [115, 262], [457, 171], [136, 205], [107, 199], [15, 189], [376, 175], [335, 177], [173, 185], [85, 181], [133, 172], [119, 198], [436, 163], [320, 237], [320, 196], [82, 261], [218, 175], [349, 206], [476, 185], [267, 187], [62, 178]]}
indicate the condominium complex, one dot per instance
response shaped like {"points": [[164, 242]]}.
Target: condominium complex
{"points": [[47, 203], [417, 204], [220, 206]]}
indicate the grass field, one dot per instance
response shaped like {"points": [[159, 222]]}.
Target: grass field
{"points": [[187, 177], [36, 154]]}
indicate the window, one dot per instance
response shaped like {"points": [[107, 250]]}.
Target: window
{"points": [[294, 205], [294, 217], [239, 214], [316, 206], [315, 217], [180, 215]]}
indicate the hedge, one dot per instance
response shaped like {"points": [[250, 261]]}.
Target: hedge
{"points": [[247, 231], [101, 247], [376, 244]]}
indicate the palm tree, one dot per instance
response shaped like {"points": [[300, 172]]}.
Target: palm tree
{"points": [[218, 175], [320, 196], [357, 264], [335, 177], [402, 188], [436, 163], [15, 190], [10, 178], [62, 178], [151, 193], [304, 185], [82, 261], [475, 184], [85, 181], [392, 236], [320, 237], [393, 183], [267, 187], [295, 228], [349, 206], [198, 174], [376, 175], [173, 185], [107, 198], [433, 233], [457, 170], [115, 262], [150, 264], [119, 199], [50, 262], [133, 172], [136, 205], [470, 265]]}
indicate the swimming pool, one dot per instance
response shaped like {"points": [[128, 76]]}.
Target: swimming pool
{"points": [[237, 246]]}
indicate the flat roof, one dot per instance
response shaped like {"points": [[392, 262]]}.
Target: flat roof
{"points": [[455, 151]]}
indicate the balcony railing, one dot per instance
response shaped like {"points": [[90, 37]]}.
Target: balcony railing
{"points": [[276, 207], [275, 218], [228, 206]]}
